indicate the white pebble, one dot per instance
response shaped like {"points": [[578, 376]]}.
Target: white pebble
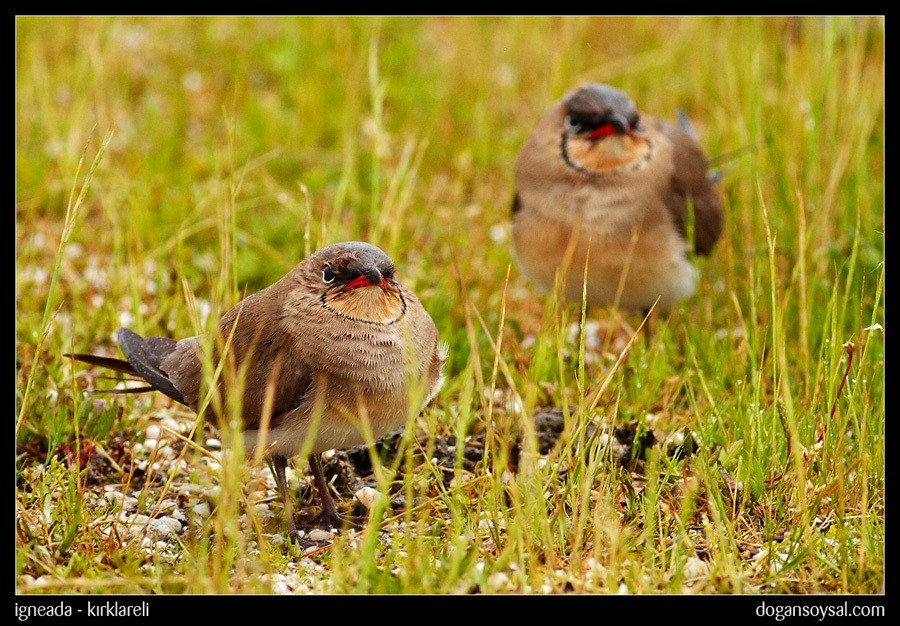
{"points": [[280, 587], [173, 425], [164, 527], [369, 497], [165, 451], [152, 432], [695, 568], [317, 534], [201, 509], [497, 581], [167, 505]]}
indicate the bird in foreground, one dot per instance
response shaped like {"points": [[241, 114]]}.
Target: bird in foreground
{"points": [[332, 353], [607, 192]]}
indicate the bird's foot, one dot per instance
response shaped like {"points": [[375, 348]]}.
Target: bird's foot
{"points": [[303, 543], [341, 521]]}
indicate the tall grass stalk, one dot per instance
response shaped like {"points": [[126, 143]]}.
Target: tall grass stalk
{"points": [[73, 208]]}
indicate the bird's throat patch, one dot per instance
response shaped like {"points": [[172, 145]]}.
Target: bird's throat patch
{"points": [[606, 154], [374, 304]]}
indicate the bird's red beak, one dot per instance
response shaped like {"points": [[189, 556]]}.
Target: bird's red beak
{"points": [[607, 130], [364, 280]]}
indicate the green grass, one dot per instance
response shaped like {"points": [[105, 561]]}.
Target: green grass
{"points": [[166, 166]]}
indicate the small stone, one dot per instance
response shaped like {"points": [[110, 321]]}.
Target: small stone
{"points": [[173, 425], [368, 497], [695, 568], [317, 534], [167, 505], [136, 520], [499, 581], [164, 527]]}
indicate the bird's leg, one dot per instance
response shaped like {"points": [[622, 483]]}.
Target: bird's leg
{"points": [[280, 464], [329, 510]]}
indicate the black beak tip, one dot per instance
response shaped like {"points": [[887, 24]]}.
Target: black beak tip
{"points": [[373, 276], [620, 125]]}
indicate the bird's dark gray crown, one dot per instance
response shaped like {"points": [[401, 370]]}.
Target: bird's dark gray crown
{"points": [[589, 105], [352, 258]]}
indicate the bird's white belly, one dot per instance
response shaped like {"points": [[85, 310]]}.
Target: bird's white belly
{"points": [[338, 426], [655, 265]]}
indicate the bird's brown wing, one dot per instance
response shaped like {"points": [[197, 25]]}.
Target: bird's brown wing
{"points": [[690, 185], [430, 356], [258, 351]]}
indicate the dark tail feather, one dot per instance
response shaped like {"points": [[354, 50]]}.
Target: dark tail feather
{"points": [[685, 123], [721, 163], [114, 364], [731, 155], [145, 356], [126, 390], [104, 361], [716, 163]]}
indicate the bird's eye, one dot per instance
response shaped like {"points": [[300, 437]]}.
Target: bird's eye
{"points": [[327, 275], [574, 122]]}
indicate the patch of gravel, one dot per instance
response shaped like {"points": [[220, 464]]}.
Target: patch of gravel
{"points": [[165, 499]]}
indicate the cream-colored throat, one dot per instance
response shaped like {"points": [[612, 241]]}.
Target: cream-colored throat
{"points": [[374, 304], [608, 154]]}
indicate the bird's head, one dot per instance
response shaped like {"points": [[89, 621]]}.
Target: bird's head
{"points": [[357, 282], [601, 130]]}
